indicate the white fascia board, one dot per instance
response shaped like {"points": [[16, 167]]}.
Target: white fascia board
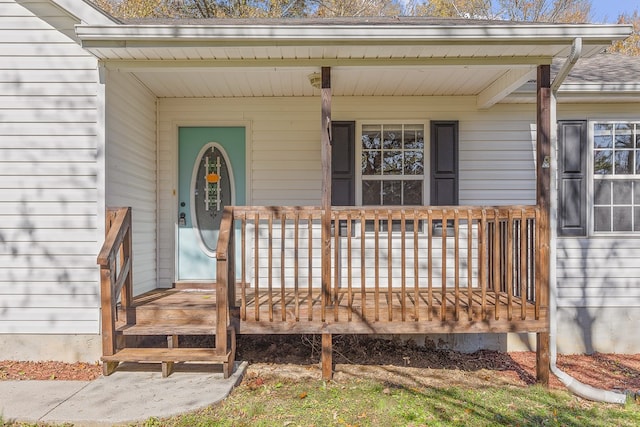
{"points": [[590, 88], [370, 34], [84, 12]]}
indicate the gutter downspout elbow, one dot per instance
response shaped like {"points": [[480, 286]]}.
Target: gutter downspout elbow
{"points": [[576, 387]]}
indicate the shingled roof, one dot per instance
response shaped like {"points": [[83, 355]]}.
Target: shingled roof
{"points": [[604, 68]]}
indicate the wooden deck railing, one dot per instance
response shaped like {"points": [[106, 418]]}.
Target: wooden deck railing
{"points": [[115, 260], [387, 265]]}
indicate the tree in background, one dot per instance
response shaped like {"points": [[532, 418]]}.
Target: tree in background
{"points": [[630, 45], [576, 11], [334, 8]]}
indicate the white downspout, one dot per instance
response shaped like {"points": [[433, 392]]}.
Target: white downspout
{"points": [[583, 390]]}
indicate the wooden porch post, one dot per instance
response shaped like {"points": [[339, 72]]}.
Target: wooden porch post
{"points": [[543, 174], [325, 93]]}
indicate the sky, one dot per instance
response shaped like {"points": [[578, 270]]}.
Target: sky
{"points": [[608, 10]]}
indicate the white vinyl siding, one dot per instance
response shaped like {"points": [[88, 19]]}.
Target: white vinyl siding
{"points": [[131, 168], [600, 271], [283, 148], [50, 219]]}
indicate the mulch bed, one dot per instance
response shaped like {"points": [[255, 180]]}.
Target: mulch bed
{"points": [[608, 371]]}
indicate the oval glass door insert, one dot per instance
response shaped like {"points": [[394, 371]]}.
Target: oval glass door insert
{"points": [[212, 189]]}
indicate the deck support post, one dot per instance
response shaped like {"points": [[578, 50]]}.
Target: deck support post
{"points": [[543, 200], [326, 187], [327, 357]]}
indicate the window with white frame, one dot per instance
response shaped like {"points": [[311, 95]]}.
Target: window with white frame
{"points": [[616, 177], [392, 165]]}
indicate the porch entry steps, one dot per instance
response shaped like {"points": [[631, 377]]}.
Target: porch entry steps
{"points": [[170, 313], [128, 322]]}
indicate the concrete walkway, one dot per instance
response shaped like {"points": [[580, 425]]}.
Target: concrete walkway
{"points": [[123, 397]]}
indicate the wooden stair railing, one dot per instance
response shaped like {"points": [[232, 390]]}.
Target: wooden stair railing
{"points": [[116, 264], [116, 261], [227, 321]]}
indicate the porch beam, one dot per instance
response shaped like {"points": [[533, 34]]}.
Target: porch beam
{"points": [[504, 86], [168, 66], [543, 200]]}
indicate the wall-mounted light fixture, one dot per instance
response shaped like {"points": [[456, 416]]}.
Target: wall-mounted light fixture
{"points": [[315, 79]]}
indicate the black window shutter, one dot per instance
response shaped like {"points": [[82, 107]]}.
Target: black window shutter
{"points": [[444, 163], [343, 136], [572, 175]]}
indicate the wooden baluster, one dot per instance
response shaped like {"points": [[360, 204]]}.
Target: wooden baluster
{"points": [[523, 265], [416, 270], [470, 264], [349, 269], [363, 269], [509, 274], [389, 265], [496, 262], [283, 237], [296, 263], [337, 265], [270, 266], [243, 255], [483, 262], [376, 294], [310, 267], [430, 265], [403, 264], [443, 297], [256, 265], [456, 262]]}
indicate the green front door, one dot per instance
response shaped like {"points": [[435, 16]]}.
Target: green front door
{"points": [[211, 176]]}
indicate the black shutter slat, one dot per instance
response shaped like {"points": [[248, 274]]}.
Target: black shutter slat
{"points": [[572, 186]]}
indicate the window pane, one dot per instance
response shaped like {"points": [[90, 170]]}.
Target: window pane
{"points": [[603, 141], [391, 193], [602, 219], [392, 137], [622, 218], [371, 192], [602, 192], [371, 163], [603, 162], [413, 163], [392, 164], [414, 137], [624, 139], [371, 136], [412, 192], [622, 192], [636, 219], [624, 162]]}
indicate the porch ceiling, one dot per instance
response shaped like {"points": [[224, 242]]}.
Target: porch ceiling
{"points": [[388, 58], [345, 81]]}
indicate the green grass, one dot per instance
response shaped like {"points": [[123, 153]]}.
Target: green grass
{"points": [[370, 403]]}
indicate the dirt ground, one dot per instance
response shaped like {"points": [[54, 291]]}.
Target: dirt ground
{"points": [[392, 361]]}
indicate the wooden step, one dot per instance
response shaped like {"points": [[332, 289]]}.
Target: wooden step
{"points": [[167, 355], [160, 329]]}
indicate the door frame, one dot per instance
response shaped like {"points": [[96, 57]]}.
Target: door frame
{"points": [[175, 127]]}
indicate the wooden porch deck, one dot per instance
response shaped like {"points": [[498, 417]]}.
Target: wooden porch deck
{"points": [[391, 271]]}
